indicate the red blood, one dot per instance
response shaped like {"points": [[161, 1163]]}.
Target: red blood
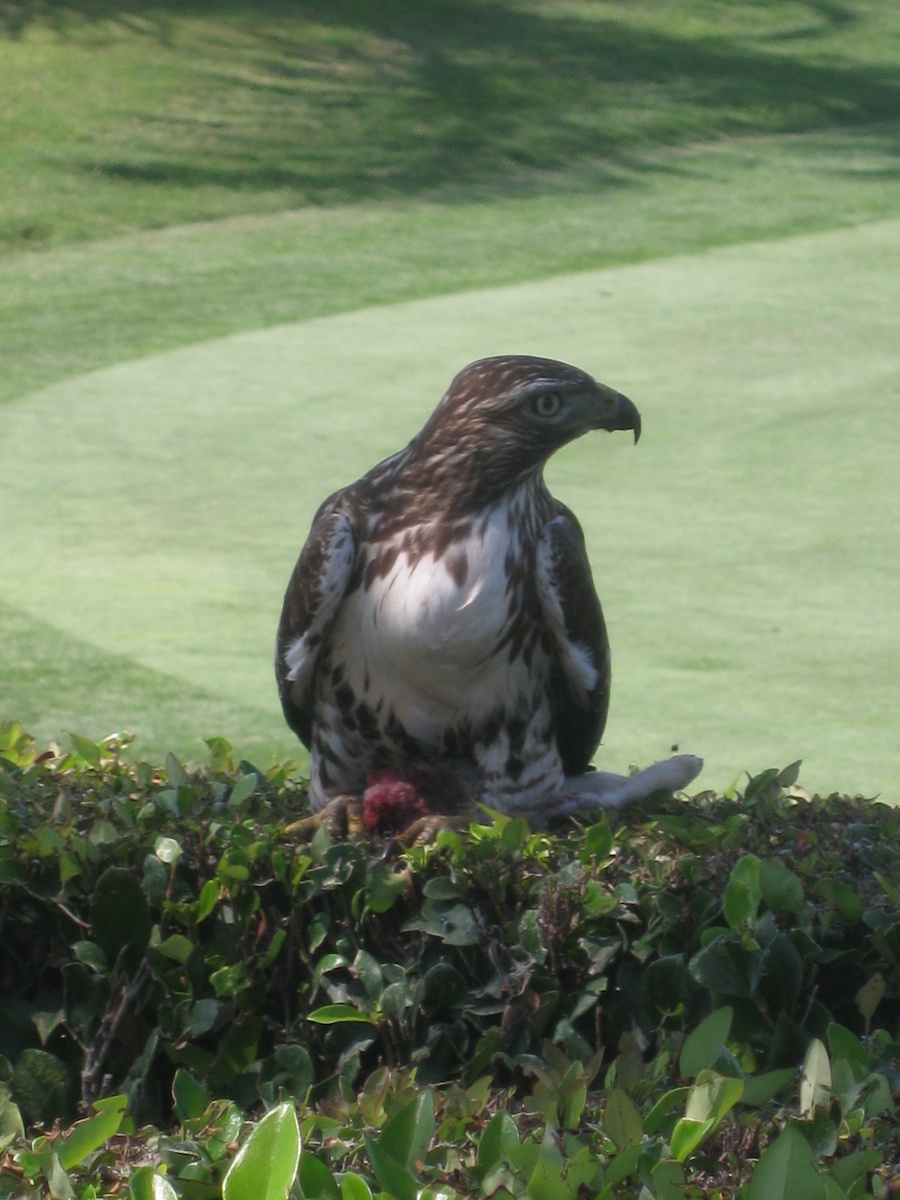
{"points": [[393, 800]]}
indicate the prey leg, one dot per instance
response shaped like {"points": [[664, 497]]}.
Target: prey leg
{"points": [[601, 789]]}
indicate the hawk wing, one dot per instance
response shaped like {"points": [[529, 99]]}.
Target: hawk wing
{"points": [[574, 621], [314, 594]]}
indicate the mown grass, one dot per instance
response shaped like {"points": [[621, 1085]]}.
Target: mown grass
{"points": [[82, 306], [178, 174], [419, 149], [144, 115]]}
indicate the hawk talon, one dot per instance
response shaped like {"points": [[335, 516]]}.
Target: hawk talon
{"points": [[342, 817], [345, 817], [424, 830]]}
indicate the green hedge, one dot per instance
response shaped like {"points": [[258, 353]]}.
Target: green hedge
{"points": [[703, 995]]}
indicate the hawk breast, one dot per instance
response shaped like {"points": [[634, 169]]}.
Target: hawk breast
{"points": [[429, 637]]}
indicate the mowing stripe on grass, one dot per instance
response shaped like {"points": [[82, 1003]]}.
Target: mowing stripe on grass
{"points": [[82, 307], [744, 551]]}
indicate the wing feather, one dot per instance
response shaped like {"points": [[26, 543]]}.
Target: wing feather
{"points": [[575, 622], [314, 594]]}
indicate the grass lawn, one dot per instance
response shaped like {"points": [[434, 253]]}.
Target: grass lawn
{"points": [[245, 249], [147, 114]]}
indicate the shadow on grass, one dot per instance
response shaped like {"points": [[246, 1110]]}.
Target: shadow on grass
{"points": [[348, 99]]}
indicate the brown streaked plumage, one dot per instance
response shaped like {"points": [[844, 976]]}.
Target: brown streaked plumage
{"points": [[442, 614]]}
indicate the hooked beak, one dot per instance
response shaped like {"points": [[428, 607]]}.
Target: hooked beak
{"points": [[618, 412]]}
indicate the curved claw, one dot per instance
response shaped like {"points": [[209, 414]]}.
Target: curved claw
{"points": [[342, 817]]}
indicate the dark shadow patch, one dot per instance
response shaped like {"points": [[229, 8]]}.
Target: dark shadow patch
{"points": [[485, 98]]}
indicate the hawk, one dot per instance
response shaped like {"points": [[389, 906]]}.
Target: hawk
{"points": [[442, 617]]}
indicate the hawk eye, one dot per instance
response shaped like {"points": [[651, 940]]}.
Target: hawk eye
{"points": [[547, 404]]}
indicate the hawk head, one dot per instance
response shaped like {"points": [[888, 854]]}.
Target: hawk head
{"points": [[502, 418]]}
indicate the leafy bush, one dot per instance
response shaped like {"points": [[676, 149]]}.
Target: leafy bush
{"points": [[704, 995]]}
